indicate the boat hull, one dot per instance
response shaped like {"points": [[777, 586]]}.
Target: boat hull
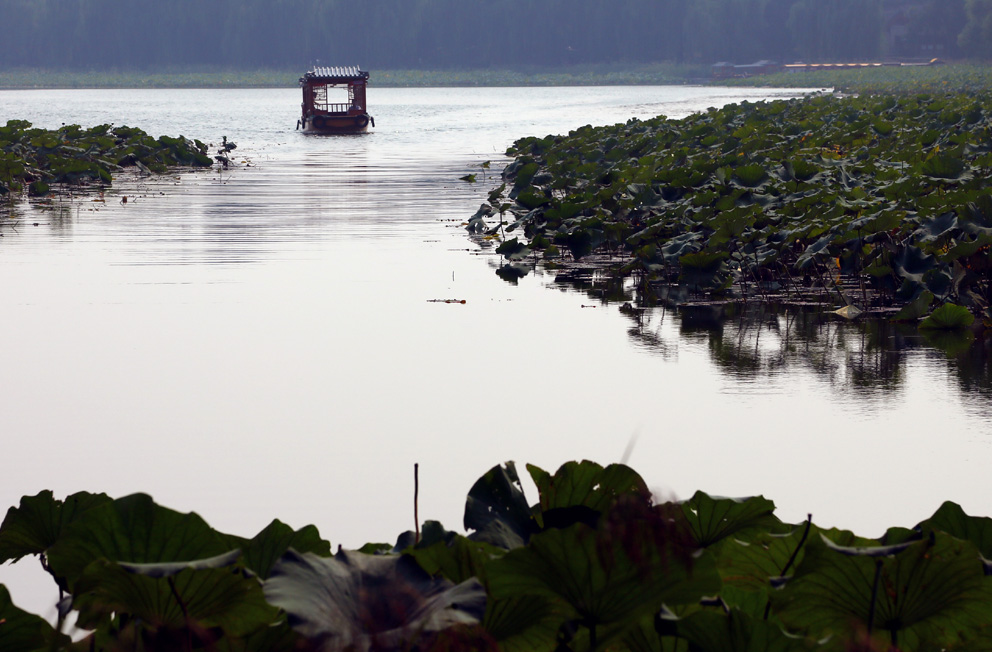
{"points": [[337, 124]]}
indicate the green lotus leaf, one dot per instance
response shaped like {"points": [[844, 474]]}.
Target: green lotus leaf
{"points": [[584, 484], [195, 596], [356, 602], [132, 529], [262, 550], [497, 509], [457, 559], [39, 521], [915, 309], [525, 623], [928, 593], [948, 317], [935, 228], [752, 560], [912, 263], [943, 166], [21, 631], [713, 519], [967, 249], [751, 175], [601, 581], [735, 631], [168, 569], [952, 519]]}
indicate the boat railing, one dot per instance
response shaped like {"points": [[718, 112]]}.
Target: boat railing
{"points": [[334, 107]]}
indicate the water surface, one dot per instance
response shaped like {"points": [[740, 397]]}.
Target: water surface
{"points": [[267, 342]]}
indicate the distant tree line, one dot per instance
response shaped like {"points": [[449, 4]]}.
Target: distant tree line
{"points": [[446, 34]]}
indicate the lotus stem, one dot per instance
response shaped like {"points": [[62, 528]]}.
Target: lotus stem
{"points": [[874, 595], [416, 494]]}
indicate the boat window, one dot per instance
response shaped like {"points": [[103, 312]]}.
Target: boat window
{"points": [[334, 98]]}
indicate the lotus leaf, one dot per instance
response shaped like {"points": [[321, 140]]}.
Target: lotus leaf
{"points": [[948, 317], [497, 509], [735, 631], [605, 583], [922, 593], [359, 602], [132, 529], [21, 631], [584, 484], [192, 596], [262, 550], [40, 521], [713, 519]]}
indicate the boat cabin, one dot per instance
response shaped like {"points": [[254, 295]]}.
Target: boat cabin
{"points": [[334, 101]]}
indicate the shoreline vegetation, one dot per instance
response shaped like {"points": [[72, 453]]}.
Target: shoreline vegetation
{"points": [[589, 75], [874, 204], [33, 160], [962, 76], [596, 563]]}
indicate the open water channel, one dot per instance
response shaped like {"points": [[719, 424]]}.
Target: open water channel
{"points": [[272, 341]]}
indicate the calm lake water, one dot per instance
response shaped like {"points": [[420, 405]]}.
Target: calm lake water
{"points": [[268, 341]]}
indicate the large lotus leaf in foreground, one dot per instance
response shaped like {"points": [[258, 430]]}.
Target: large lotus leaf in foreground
{"points": [[266, 547], [39, 521], [584, 485], [182, 597], [605, 581], [713, 519], [497, 508], [359, 602], [924, 595], [133, 529], [21, 631]]}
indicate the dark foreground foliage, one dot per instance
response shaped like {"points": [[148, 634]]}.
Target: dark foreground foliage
{"points": [[595, 564], [876, 202], [38, 159]]}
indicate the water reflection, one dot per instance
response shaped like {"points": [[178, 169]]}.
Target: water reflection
{"points": [[751, 342]]}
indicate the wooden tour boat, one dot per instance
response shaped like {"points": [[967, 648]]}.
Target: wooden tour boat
{"points": [[334, 101]]}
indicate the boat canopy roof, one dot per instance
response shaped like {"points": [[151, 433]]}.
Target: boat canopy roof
{"points": [[334, 75]]}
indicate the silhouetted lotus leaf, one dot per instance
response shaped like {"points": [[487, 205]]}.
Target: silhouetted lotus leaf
{"points": [[262, 550], [359, 602], [948, 317], [594, 580], [21, 631], [193, 596], [133, 529], [497, 509], [951, 518], [39, 521], [749, 561], [718, 631], [513, 249], [929, 594], [584, 484], [712, 519]]}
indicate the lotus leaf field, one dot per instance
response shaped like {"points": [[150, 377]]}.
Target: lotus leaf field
{"points": [[595, 564], [879, 203], [37, 159]]}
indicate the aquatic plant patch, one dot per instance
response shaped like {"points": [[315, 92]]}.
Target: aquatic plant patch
{"points": [[594, 563], [871, 201], [37, 159]]}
